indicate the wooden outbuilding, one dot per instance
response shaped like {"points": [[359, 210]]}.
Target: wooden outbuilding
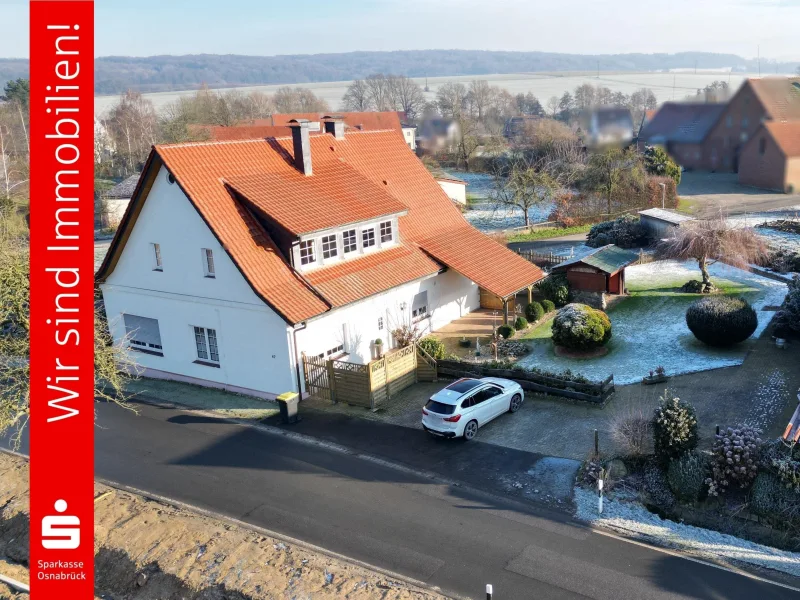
{"points": [[601, 271]]}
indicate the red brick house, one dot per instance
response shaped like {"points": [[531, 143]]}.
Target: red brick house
{"points": [[771, 158], [757, 101]]}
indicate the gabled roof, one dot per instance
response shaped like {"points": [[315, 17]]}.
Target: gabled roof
{"points": [[786, 135], [124, 189], [666, 215], [780, 96], [682, 122], [608, 259], [373, 165], [239, 132]]}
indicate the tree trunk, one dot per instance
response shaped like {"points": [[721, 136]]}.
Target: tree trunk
{"points": [[702, 263]]}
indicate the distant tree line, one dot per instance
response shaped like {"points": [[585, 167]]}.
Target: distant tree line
{"points": [[117, 74]]}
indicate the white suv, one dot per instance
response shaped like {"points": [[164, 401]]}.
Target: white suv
{"points": [[467, 404]]}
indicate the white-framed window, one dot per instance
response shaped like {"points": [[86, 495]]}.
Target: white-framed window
{"points": [[143, 334], [419, 306], [157, 264], [307, 252], [368, 237], [329, 249], [386, 232], [380, 323], [205, 340], [208, 262], [349, 241]]}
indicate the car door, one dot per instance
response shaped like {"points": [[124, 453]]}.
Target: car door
{"points": [[482, 408], [496, 401]]}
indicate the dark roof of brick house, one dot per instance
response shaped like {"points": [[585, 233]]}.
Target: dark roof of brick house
{"points": [[681, 122]]}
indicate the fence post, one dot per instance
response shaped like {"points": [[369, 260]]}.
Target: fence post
{"points": [[331, 380], [489, 591], [596, 442]]}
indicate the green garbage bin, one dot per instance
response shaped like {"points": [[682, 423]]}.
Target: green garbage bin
{"points": [[288, 405]]}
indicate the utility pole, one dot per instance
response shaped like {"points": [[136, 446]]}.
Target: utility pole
{"points": [[759, 60]]}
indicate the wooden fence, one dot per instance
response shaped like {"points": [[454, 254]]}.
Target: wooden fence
{"points": [[542, 259], [535, 382], [369, 385]]}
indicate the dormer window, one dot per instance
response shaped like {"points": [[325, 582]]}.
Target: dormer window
{"points": [[307, 252], [329, 249], [349, 241], [368, 237], [386, 232]]}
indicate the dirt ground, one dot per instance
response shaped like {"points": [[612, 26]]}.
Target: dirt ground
{"points": [[146, 550], [705, 193]]}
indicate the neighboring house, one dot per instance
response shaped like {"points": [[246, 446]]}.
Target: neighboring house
{"points": [[660, 222], [223, 133], [115, 201], [438, 134], [756, 101], [456, 189], [103, 144], [681, 128], [771, 157], [607, 126], [236, 258], [410, 135], [515, 127], [597, 274]]}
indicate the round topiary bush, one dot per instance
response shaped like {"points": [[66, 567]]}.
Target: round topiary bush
{"points": [[581, 327], [520, 323], [433, 346], [734, 458], [534, 311], [505, 331], [674, 428], [548, 306], [721, 320], [686, 476]]}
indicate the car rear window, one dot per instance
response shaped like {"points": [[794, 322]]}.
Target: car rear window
{"points": [[464, 385], [440, 408]]}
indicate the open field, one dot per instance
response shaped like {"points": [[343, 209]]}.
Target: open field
{"points": [[666, 86]]}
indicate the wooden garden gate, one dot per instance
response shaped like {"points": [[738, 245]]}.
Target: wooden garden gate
{"points": [[319, 377]]}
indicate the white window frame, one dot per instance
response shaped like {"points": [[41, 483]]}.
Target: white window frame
{"points": [[148, 346], [206, 344], [387, 232], [332, 249], [309, 247], [368, 232], [346, 244], [158, 263], [380, 323], [208, 263]]}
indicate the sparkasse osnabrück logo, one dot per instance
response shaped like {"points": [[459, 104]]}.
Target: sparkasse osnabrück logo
{"points": [[56, 535]]}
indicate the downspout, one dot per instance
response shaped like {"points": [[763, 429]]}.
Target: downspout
{"points": [[297, 358]]}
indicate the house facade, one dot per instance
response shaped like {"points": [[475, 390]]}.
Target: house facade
{"points": [[771, 158], [234, 259], [681, 128]]}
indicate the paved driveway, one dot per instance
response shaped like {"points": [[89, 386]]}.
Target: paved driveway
{"points": [[706, 193]]}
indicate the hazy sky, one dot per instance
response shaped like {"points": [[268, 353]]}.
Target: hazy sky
{"points": [[147, 27]]}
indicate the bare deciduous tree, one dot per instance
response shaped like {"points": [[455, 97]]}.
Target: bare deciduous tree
{"points": [[523, 185], [132, 125], [553, 107], [288, 100], [406, 95], [712, 240], [480, 96], [356, 98], [379, 92], [450, 99]]}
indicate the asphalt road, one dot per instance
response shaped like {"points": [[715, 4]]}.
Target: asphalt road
{"points": [[442, 535]]}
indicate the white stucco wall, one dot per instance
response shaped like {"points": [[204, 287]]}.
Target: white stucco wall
{"points": [[450, 296], [455, 191], [253, 340]]}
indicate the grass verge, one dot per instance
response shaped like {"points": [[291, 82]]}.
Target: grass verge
{"points": [[548, 232]]}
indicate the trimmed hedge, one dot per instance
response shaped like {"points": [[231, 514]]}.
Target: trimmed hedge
{"points": [[581, 327], [520, 323], [548, 306], [721, 320], [625, 232], [686, 476], [505, 331], [555, 288], [534, 311]]}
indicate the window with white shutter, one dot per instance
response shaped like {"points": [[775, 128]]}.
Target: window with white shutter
{"points": [[143, 334]]}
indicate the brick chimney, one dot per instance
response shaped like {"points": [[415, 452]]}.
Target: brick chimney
{"points": [[301, 145], [335, 126]]}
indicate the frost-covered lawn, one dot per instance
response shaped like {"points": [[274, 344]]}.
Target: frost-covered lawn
{"points": [[649, 327]]}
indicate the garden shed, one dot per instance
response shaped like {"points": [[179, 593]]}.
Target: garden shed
{"points": [[600, 271], [660, 223]]}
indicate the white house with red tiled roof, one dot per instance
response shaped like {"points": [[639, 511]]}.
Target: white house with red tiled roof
{"points": [[235, 257]]}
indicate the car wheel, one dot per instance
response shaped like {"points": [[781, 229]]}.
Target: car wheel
{"points": [[516, 403], [470, 430]]}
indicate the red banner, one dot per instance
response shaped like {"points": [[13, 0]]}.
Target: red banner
{"points": [[62, 305]]}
